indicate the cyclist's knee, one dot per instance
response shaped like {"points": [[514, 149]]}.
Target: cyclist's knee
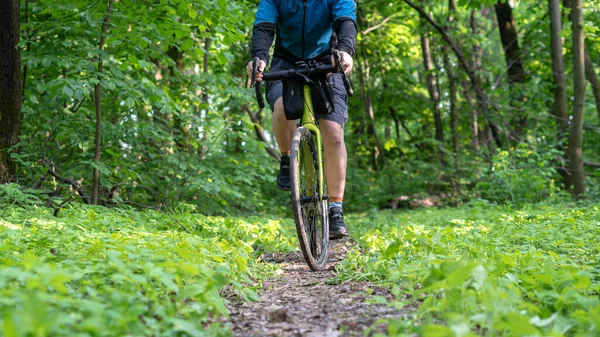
{"points": [[333, 134], [278, 106]]}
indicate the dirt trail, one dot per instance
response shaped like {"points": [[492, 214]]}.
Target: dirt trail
{"points": [[301, 303]]}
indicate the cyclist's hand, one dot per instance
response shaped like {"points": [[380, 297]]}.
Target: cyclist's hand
{"points": [[261, 68], [347, 61]]}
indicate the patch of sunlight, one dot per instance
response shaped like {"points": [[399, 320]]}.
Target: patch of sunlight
{"points": [[10, 225], [418, 229], [467, 229]]}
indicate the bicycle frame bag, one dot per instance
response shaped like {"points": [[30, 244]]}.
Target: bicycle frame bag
{"points": [[322, 93], [293, 97]]}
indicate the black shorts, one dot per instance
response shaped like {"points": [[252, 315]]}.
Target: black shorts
{"points": [[340, 97]]}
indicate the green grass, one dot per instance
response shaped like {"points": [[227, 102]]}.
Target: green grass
{"points": [[111, 272], [477, 270], [484, 270]]}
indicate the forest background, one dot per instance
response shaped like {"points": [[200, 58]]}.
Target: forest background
{"points": [[145, 103]]}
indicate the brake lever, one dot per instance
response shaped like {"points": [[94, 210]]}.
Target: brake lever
{"points": [[338, 63], [257, 85], [255, 64]]}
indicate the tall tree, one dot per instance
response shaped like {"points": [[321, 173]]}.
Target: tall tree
{"points": [[97, 88], [576, 134], [10, 85], [592, 78], [558, 69], [364, 74], [510, 42], [561, 112], [482, 99], [475, 64], [452, 82], [434, 94]]}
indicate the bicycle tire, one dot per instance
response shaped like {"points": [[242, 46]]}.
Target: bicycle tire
{"points": [[312, 224]]}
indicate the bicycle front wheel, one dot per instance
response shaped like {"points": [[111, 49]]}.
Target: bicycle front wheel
{"points": [[310, 210]]}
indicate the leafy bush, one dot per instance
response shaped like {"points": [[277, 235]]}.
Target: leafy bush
{"points": [[13, 194], [483, 269], [100, 272], [522, 175]]}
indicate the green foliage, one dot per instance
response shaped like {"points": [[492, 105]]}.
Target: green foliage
{"points": [[173, 127], [13, 194], [484, 270], [101, 272], [525, 174]]}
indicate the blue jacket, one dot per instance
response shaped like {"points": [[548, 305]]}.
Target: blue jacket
{"points": [[303, 27]]}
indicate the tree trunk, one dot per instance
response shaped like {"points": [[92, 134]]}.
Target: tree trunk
{"points": [[204, 98], [396, 123], [97, 88], [558, 69], [576, 134], [510, 42], [10, 86], [593, 79], [482, 99], [363, 73], [475, 65], [453, 98], [561, 110], [453, 111], [433, 93], [180, 120]]}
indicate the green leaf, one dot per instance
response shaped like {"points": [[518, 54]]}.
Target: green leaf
{"points": [[434, 330], [130, 102], [68, 91], [9, 327], [249, 295], [192, 291]]}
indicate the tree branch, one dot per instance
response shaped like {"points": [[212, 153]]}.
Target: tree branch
{"points": [[481, 96], [73, 183], [260, 132], [379, 25]]}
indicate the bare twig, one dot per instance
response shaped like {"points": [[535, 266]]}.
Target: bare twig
{"points": [[73, 183], [379, 25], [172, 218], [260, 132], [56, 210], [591, 164]]}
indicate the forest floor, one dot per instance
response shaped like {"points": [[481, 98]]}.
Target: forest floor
{"points": [[304, 303], [474, 270]]}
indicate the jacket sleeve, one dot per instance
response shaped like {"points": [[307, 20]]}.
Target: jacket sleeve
{"points": [[264, 29], [344, 25]]}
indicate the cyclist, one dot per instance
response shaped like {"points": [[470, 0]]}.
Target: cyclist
{"points": [[306, 30]]}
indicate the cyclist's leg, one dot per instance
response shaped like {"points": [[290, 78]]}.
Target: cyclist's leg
{"points": [[282, 128], [335, 157], [332, 130]]}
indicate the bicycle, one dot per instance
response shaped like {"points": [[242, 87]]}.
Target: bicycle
{"points": [[308, 191]]}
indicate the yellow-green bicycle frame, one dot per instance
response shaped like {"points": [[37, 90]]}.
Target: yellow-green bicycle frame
{"points": [[308, 121]]}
